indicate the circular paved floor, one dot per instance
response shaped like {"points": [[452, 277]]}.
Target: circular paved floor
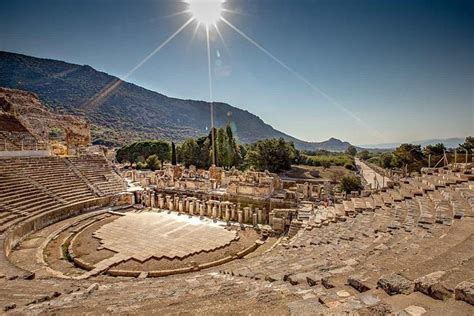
{"points": [[145, 235]]}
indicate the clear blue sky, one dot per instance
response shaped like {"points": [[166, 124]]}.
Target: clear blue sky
{"points": [[405, 68]]}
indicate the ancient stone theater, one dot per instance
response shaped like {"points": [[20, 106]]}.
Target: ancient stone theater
{"points": [[80, 234]]}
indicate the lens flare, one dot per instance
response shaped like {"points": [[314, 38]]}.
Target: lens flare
{"points": [[206, 12]]}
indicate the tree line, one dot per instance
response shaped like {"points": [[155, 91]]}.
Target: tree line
{"points": [[273, 155], [414, 157]]}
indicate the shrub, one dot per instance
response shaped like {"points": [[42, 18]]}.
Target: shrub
{"points": [[349, 166], [142, 165], [153, 162], [350, 183]]}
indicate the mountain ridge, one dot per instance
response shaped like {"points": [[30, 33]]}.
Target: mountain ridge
{"points": [[450, 142], [130, 112]]}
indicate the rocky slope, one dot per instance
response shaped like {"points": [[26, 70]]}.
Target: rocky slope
{"points": [[39, 121], [130, 112]]}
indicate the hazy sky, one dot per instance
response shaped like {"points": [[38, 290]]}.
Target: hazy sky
{"points": [[390, 70]]}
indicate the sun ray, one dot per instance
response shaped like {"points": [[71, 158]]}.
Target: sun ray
{"points": [[211, 105], [198, 24], [222, 38], [104, 92], [172, 15], [301, 78], [235, 12]]}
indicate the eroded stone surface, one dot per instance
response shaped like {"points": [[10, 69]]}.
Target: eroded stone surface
{"points": [[395, 284], [464, 291]]}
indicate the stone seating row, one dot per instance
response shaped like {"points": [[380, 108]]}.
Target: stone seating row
{"points": [[33, 185], [99, 173]]}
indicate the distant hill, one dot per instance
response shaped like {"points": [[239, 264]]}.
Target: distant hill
{"points": [[131, 112], [448, 143]]}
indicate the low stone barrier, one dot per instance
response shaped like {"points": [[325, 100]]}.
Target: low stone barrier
{"points": [[162, 273], [14, 235], [82, 264]]}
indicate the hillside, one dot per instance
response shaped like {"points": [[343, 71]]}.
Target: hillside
{"points": [[130, 112]]}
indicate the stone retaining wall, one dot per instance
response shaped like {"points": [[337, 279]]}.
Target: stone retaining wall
{"points": [[17, 233], [161, 273]]}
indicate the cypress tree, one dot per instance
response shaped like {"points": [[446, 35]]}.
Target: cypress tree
{"points": [[173, 154]]}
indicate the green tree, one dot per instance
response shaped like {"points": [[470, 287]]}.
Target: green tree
{"points": [[140, 151], [189, 153], [273, 155], [326, 164], [364, 154], [349, 183], [173, 154], [408, 153], [222, 148], [434, 150], [351, 151], [153, 162], [468, 144], [385, 160]]}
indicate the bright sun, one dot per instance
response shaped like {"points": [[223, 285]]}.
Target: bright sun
{"points": [[207, 12]]}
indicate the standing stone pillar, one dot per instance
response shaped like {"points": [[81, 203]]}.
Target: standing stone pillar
{"points": [[186, 204], [176, 203], [180, 205], [209, 208], [260, 216], [161, 201], [169, 202], [219, 210], [240, 216], [270, 218], [214, 211], [254, 219], [191, 208], [227, 213], [247, 217], [202, 209], [153, 199], [233, 212]]}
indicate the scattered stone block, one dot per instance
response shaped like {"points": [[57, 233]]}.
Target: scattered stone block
{"points": [[313, 279], [358, 282], [369, 300], [343, 293], [431, 286], [273, 277], [412, 310], [379, 309], [464, 291], [286, 276], [92, 288], [306, 307], [344, 269], [327, 283], [351, 262], [441, 292], [8, 307], [395, 284], [296, 279]]}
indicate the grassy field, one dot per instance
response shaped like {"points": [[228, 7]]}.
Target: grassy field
{"points": [[341, 160], [334, 173]]}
